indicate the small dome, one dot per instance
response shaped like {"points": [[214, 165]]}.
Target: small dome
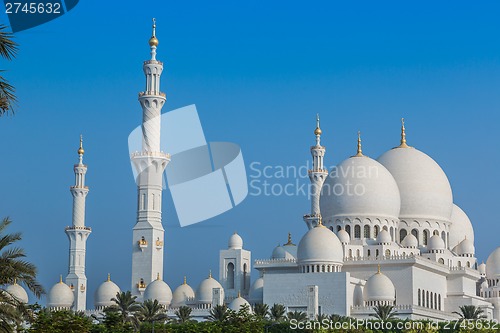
{"points": [[106, 291], [18, 292], [205, 290], [60, 296], [237, 303], [320, 245], [235, 242], [182, 294], [424, 188], [493, 265], [384, 237], [436, 243], [343, 236], [257, 291], [410, 241], [461, 227], [465, 247], [379, 288], [280, 252], [360, 186], [160, 291], [482, 269]]}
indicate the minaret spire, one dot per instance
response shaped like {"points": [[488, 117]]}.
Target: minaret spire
{"points": [[317, 176], [403, 135], [359, 153], [77, 234], [150, 163]]}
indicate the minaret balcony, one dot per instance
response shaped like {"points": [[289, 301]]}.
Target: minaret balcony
{"points": [[82, 288], [150, 154], [152, 93], [74, 227], [156, 62], [159, 244], [317, 170]]}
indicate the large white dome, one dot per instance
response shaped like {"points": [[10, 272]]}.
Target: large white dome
{"points": [[360, 186], [379, 288], [237, 303], [493, 265], [205, 290], [424, 188], [182, 294], [18, 292], [320, 245], [106, 291], [461, 227], [160, 291], [60, 296], [257, 291]]}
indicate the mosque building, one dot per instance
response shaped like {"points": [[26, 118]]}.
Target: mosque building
{"points": [[400, 241]]}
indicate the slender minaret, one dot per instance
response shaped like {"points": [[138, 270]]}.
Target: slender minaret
{"points": [[317, 175], [78, 234], [147, 242]]}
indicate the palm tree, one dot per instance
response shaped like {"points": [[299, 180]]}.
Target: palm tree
{"points": [[13, 268], [384, 312], [151, 311], [321, 317], [183, 314], [218, 313], [470, 312], [8, 50], [277, 313], [126, 306], [261, 310], [297, 315]]}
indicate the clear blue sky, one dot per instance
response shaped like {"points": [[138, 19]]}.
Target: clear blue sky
{"points": [[258, 73]]}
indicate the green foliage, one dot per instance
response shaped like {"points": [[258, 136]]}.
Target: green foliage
{"points": [[470, 312], [297, 315], [384, 312], [8, 50], [151, 311], [218, 313], [126, 306], [277, 313], [60, 322], [183, 314], [261, 310]]}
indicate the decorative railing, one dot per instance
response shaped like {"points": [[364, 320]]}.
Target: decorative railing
{"points": [[152, 93], [275, 261], [77, 228]]}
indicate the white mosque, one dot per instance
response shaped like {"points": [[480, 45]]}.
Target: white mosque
{"points": [[382, 231]]}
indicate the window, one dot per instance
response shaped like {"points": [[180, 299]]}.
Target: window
{"points": [[402, 234], [414, 232], [419, 298], [439, 302], [348, 229], [230, 275], [426, 236], [245, 277], [427, 299], [376, 230], [369, 253], [357, 253], [366, 231], [357, 231], [387, 253], [377, 253], [339, 228]]}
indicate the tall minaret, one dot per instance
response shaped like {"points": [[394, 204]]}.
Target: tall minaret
{"points": [[78, 234], [317, 175], [147, 239]]}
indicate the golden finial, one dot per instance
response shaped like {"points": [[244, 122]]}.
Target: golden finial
{"points": [[360, 151], [317, 131], [289, 240], [320, 223], [184, 280], [403, 135], [210, 274], [239, 293], [15, 281], [109, 278], [80, 150], [153, 41], [378, 269], [60, 279], [158, 276]]}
